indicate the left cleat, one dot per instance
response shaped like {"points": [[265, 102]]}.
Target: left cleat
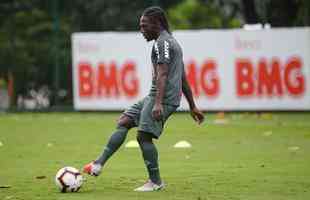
{"points": [[149, 186]]}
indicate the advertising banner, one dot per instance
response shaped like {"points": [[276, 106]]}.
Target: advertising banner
{"points": [[227, 69]]}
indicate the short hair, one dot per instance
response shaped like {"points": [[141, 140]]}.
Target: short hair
{"points": [[159, 14]]}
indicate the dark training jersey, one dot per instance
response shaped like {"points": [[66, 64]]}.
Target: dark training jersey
{"points": [[167, 50]]}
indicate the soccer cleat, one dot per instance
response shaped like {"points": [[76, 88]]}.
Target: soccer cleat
{"points": [[92, 169], [149, 186]]}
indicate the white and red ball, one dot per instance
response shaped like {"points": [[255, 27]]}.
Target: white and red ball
{"points": [[69, 179]]}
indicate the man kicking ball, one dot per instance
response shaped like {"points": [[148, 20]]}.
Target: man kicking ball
{"points": [[150, 114]]}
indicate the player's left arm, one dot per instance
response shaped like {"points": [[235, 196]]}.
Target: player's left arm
{"points": [[197, 115]]}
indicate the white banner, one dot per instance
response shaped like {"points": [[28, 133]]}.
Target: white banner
{"points": [[227, 70]]}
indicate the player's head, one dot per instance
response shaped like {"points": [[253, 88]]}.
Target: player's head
{"points": [[152, 21]]}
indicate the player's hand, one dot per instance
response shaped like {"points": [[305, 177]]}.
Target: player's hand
{"points": [[197, 115], [158, 111]]}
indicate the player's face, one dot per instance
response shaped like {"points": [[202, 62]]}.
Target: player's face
{"points": [[148, 28]]}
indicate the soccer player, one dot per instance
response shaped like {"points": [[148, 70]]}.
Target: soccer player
{"points": [[150, 114]]}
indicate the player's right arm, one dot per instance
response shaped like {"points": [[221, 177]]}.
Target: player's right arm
{"points": [[195, 112]]}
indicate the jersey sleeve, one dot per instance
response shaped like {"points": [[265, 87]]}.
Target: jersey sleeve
{"points": [[163, 51]]}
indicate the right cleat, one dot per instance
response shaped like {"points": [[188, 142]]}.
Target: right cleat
{"points": [[92, 169]]}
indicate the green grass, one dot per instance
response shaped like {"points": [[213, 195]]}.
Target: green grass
{"points": [[248, 158]]}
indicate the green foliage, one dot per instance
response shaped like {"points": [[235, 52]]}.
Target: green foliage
{"points": [[28, 39], [24, 49], [195, 14]]}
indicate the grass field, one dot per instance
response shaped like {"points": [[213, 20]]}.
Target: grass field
{"points": [[244, 157]]}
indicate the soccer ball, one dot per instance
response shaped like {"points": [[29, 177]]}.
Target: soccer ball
{"points": [[69, 179]]}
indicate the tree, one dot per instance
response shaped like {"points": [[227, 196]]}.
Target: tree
{"points": [[195, 14], [279, 13]]}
